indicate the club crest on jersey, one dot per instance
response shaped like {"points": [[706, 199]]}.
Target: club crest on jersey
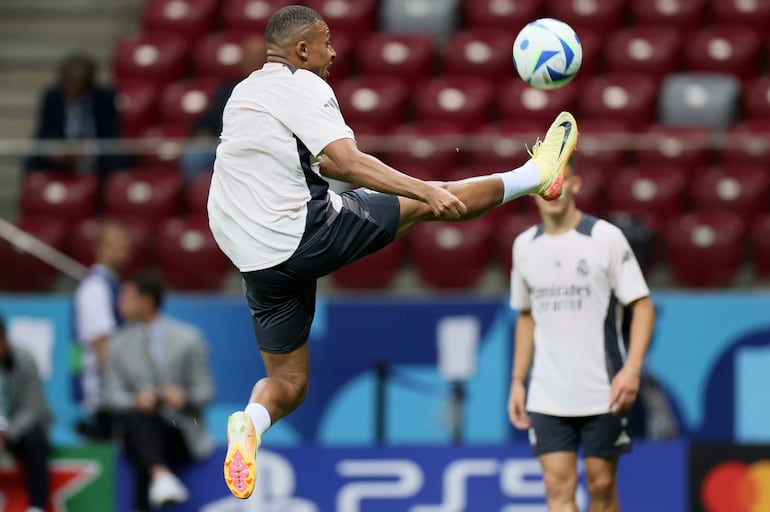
{"points": [[582, 267]]}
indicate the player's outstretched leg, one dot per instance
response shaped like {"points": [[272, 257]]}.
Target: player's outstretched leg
{"points": [[240, 466], [542, 174]]}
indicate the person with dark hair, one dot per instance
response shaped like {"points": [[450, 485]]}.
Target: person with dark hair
{"points": [[96, 318], [76, 109], [574, 376], [272, 213], [158, 383], [24, 419]]}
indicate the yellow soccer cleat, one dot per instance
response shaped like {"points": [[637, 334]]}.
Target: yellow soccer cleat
{"points": [[552, 154], [240, 466]]}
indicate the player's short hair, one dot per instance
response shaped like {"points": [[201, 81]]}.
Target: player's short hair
{"points": [[288, 21], [149, 284]]}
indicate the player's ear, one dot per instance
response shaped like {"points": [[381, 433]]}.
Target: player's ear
{"points": [[301, 49], [575, 184]]}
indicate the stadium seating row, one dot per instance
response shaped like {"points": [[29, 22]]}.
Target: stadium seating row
{"points": [[656, 190], [193, 18], [379, 104], [163, 57], [705, 248]]}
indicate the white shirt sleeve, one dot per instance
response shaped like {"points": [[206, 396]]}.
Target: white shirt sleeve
{"points": [[519, 289], [313, 114], [94, 316], [625, 274]]}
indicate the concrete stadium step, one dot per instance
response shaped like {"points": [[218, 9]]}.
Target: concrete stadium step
{"points": [[66, 10]]}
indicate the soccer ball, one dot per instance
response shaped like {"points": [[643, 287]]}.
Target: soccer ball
{"points": [[547, 53]]}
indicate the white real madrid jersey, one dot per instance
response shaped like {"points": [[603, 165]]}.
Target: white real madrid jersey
{"points": [[575, 285], [275, 125]]}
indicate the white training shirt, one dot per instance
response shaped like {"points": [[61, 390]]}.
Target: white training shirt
{"points": [[275, 125], [575, 285], [94, 318]]}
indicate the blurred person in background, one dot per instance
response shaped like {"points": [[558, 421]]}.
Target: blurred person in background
{"points": [[96, 318], [572, 275], [158, 384], [198, 156], [273, 214], [76, 109], [24, 419]]}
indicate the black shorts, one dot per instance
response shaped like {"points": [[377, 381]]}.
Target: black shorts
{"points": [[605, 435], [282, 298]]}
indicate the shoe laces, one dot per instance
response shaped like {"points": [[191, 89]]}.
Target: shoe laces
{"points": [[533, 152]]}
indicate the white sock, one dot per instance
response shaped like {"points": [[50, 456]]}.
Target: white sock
{"points": [[521, 181], [259, 416]]}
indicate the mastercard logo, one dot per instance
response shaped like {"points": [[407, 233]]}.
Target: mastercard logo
{"points": [[737, 487]]}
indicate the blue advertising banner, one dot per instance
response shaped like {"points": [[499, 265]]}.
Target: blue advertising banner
{"points": [[502, 478], [709, 356]]}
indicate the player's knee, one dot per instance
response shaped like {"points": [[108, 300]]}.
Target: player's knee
{"points": [[298, 383], [601, 487], [560, 486]]}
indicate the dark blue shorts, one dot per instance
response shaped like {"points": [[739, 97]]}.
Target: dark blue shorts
{"points": [[282, 298], [604, 435]]}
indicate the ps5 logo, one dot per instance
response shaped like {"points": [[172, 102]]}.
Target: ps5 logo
{"points": [[393, 479]]}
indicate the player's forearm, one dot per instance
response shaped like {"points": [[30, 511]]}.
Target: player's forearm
{"points": [[367, 171], [642, 323], [523, 347]]}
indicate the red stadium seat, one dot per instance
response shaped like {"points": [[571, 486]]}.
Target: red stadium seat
{"points": [[602, 15], [741, 188], [657, 191], [650, 50], [705, 249], [377, 270], [603, 144], [157, 58], [684, 15], [627, 98], [190, 19], [250, 16], [590, 199], [220, 56], [137, 104], [197, 194], [182, 102], [165, 144], [760, 245], [83, 234], [753, 13], [188, 256], [508, 15], [685, 147], [747, 141], [354, 18], [66, 197], [519, 102], [506, 231], [456, 99], [150, 194], [483, 52], [756, 98], [408, 57], [723, 49], [22, 272], [451, 255], [426, 144], [503, 146], [378, 101]]}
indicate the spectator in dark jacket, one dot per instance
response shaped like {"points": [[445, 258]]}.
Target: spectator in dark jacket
{"points": [[77, 110]]}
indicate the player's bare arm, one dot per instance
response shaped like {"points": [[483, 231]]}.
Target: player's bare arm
{"points": [[625, 385], [522, 360], [345, 162]]}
